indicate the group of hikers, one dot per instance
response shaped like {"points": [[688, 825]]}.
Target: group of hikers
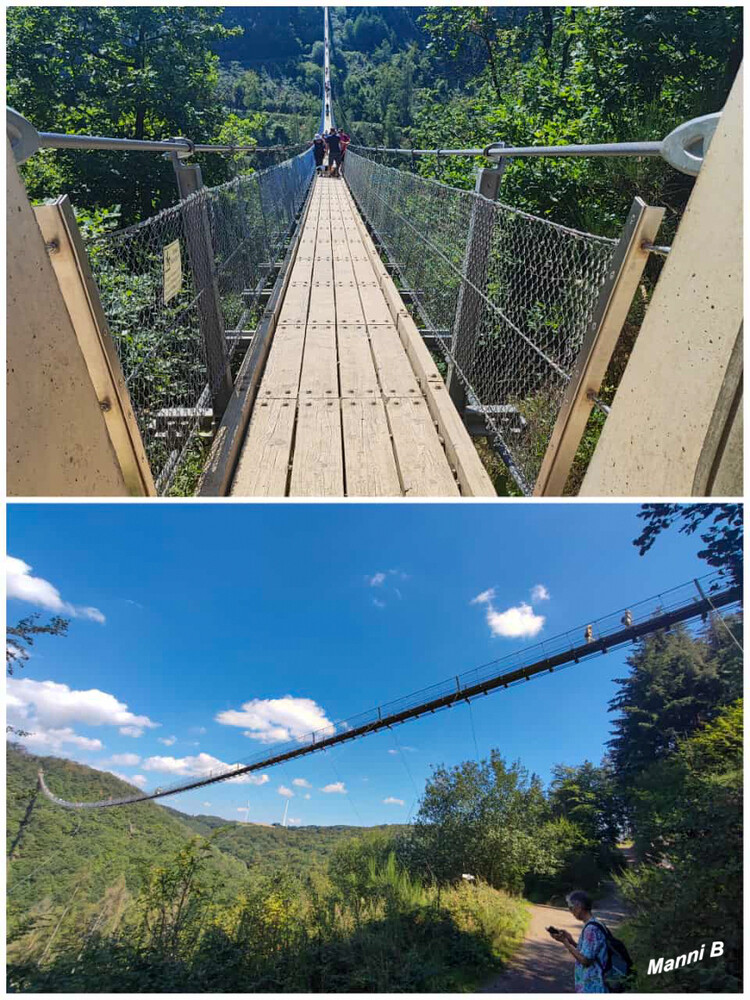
{"points": [[333, 144]]}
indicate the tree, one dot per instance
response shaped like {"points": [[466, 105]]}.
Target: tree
{"points": [[585, 795], [20, 638], [485, 819], [677, 683], [135, 72], [723, 534], [689, 820]]}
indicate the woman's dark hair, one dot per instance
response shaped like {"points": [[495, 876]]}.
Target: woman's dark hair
{"points": [[581, 897]]}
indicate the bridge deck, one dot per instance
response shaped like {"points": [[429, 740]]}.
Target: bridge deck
{"points": [[351, 403]]}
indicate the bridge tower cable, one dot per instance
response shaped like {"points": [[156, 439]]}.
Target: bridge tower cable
{"points": [[684, 603]]}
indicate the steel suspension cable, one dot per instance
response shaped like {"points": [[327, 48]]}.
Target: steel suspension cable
{"points": [[661, 611]]}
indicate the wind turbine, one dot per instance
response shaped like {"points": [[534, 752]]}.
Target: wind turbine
{"points": [[286, 810]]}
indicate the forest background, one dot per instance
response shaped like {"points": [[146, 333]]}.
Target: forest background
{"points": [[402, 76]]}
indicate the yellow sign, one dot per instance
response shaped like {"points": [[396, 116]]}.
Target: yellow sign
{"points": [[172, 271]]}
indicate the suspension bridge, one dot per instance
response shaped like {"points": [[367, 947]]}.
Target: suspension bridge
{"points": [[342, 409], [287, 334], [697, 599]]}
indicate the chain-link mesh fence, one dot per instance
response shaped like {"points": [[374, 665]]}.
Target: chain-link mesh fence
{"points": [[182, 294], [508, 294]]}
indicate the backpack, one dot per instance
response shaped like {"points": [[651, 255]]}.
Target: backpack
{"points": [[618, 965]]}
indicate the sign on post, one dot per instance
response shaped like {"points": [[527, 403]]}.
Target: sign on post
{"points": [[172, 271]]}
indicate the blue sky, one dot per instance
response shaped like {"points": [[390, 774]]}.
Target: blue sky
{"points": [[193, 625]]}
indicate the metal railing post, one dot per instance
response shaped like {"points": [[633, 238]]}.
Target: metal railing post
{"points": [[202, 263], [470, 308], [601, 338]]}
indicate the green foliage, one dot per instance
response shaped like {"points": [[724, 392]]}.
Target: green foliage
{"points": [[723, 533], [19, 638], [485, 819], [138, 72], [688, 817], [573, 75], [676, 684], [585, 795], [180, 914]]}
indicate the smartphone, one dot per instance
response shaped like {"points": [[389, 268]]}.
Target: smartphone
{"points": [[553, 930]]}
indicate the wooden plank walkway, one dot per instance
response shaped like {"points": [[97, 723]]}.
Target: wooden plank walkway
{"points": [[351, 403]]}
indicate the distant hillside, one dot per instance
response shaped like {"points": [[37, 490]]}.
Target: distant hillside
{"points": [[54, 852], [276, 67]]}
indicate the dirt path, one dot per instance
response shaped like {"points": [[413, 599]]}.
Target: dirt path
{"points": [[542, 965]]}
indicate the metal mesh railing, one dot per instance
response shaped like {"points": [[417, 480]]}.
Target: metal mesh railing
{"points": [[510, 296], [229, 239]]}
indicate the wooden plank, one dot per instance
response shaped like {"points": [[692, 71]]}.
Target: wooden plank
{"points": [[322, 303], [282, 374], [422, 464], [348, 304], [394, 371], [356, 367], [317, 465], [296, 301], [419, 354], [471, 473], [343, 271], [263, 467], [319, 369], [302, 270], [368, 453], [374, 305]]}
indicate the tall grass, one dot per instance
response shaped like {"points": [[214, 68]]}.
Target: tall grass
{"points": [[390, 934]]}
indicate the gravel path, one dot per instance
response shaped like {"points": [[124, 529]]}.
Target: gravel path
{"points": [[542, 965]]}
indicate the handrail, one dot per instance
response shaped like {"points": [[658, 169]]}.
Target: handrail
{"points": [[684, 147], [26, 140]]}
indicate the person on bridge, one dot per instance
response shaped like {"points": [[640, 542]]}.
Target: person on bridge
{"points": [[590, 953], [345, 140], [319, 151], [333, 145]]}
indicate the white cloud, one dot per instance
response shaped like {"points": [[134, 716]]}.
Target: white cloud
{"points": [[21, 585], [308, 796], [286, 792], [338, 787], [124, 759], [519, 622], [240, 809], [139, 780], [539, 592], [378, 603], [134, 731], [485, 597], [278, 719], [197, 730], [55, 740], [49, 710], [391, 801], [515, 623], [168, 741], [393, 753], [206, 804], [293, 822], [376, 580], [301, 783], [201, 766]]}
